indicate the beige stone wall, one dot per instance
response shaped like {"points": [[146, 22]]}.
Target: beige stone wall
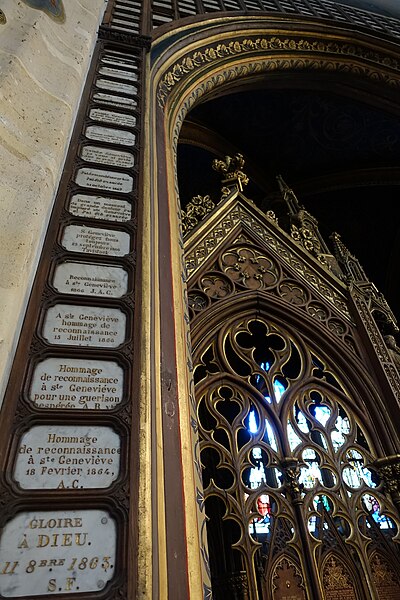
{"points": [[43, 65]]}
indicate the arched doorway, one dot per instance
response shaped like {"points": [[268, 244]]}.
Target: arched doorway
{"points": [[200, 66]]}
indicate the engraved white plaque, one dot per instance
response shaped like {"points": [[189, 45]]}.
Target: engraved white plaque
{"points": [[106, 156], [124, 62], [91, 280], [116, 86], [93, 240], [98, 207], [73, 383], [111, 136], [108, 116], [57, 552], [104, 180], [109, 72], [67, 457], [89, 326], [112, 100]]}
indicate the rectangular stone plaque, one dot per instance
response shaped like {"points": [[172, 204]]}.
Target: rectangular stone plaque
{"points": [[108, 116], [57, 552], [118, 101], [93, 240], [89, 326], [116, 86], [124, 62], [104, 180], [109, 72], [98, 207], [91, 280], [111, 136], [68, 457], [74, 383], [106, 156]]}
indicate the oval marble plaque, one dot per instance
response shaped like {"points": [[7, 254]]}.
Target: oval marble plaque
{"points": [[73, 383], [110, 136], [91, 280], [69, 457], [93, 240], [57, 552], [89, 326], [106, 156], [98, 207]]}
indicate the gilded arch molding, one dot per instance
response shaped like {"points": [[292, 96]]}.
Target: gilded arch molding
{"points": [[249, 49], [195, 64], [300, 53]]}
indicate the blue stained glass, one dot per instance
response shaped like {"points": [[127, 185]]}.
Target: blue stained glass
{"points": [[270, 436], [357, 474], [257, 474], [302, 422], [342, 428], [252, 426], [310, 474], [322, 414], [279, 390], [373, 508], [322, 499], [294, 439]]}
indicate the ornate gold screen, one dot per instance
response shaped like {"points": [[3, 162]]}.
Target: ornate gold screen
{"points": [[295, 508]]}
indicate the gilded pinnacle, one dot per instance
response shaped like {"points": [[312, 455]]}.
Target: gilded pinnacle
{"points": [[231, 170]]}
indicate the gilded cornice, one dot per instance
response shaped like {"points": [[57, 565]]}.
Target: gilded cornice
{"points": [[314, 53]]}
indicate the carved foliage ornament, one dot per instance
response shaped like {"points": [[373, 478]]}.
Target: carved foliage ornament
{"points": [[274, 43], [195, 211]]}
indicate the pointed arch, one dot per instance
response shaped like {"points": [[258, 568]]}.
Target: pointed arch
{"points": [[338, 580]]}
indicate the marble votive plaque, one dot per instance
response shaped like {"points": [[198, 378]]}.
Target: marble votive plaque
{"points": [[106, 156], [116, 86], [119, 73], [91, 280], [111, 181], [67, 457], [57, 552], [110, 136], [75, 383], [117, 101], [98, 207], [123, 62], [93, 240], [90, 326], [108, 116]]}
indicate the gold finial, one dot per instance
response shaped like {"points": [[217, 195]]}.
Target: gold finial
{"points": [[231, 170], [289, 196]]}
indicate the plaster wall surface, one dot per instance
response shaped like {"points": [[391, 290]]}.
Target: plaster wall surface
{"points": [[43, 64]]}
